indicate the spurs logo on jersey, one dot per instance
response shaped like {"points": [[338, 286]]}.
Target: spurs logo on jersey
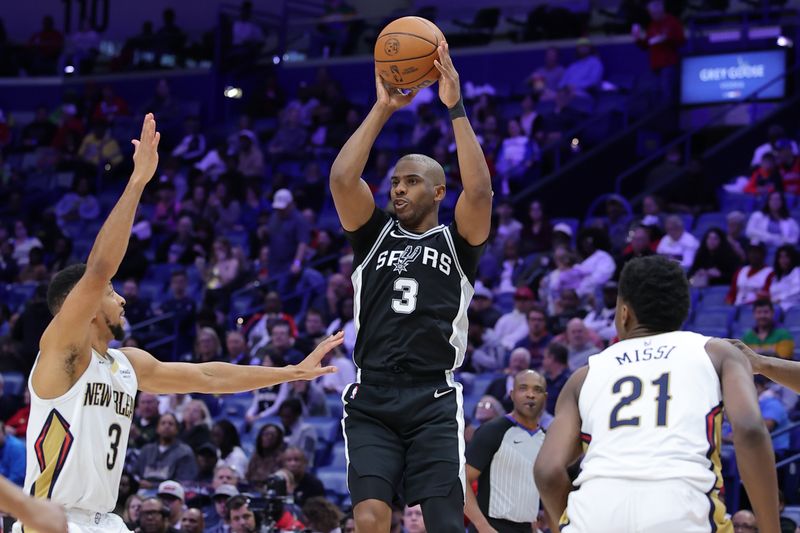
{"points": [[411, 296], [83, 432]]}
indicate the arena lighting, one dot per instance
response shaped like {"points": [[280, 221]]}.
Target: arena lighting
{"points": [[69, 69], [232, 92], [575, 144], [784, 42], [276, 60]]}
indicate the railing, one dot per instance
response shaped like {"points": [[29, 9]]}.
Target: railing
{"points": [[689, 135]]}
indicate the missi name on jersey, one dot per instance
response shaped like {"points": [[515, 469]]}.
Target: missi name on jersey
{"points": [[401, 259]]}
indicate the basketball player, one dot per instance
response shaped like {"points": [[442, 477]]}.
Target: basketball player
{"points": [[82, 392], [649, 411], [403, 418], [41, 515]]}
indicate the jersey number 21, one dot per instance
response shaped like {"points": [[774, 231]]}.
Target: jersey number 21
{"points": [[634, 392]]}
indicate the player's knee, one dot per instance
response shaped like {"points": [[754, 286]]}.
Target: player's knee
{"points": [[372, 515]]}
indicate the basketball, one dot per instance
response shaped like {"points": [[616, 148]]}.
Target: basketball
{"points": [[405, 50]]}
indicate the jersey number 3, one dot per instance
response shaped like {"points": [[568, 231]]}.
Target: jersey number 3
{"points": [[662, 399], [114, 432], [408, 301]]}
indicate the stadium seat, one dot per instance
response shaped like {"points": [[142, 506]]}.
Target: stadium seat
{"points": [[17, 294], [236, 405], [713, 297], [712, 318], [712, 331], [14, 383], [482, 381], [329, 430], [334, 480], [338, 457], [707, 221], [335, 406], [152, 289]]}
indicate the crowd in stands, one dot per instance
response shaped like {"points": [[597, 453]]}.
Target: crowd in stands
{"points": [[236, 255]]}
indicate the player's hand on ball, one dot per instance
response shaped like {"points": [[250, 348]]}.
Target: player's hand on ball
{"points": [[449, 86], [145, 154], [754, 358], [390, 97], [311, 367], [44, 516]]}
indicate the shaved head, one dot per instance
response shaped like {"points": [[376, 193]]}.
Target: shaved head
{"points": [[433, 170]]}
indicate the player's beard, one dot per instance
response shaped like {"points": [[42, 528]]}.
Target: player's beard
{"points": [[116, 330]]}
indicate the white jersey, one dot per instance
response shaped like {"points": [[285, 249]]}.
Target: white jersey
{"points": [[651, 410], [76, 443]]}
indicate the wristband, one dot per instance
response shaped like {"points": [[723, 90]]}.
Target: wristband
{"points": [[457, 111]]}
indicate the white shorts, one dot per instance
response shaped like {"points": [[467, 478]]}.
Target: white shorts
{"points": [[628, 506], [80, 521]]}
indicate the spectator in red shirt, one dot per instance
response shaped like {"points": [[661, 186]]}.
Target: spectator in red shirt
{"points": [[45, 47], [766, 178], [662, 39], [110, 106], [788, 166]]}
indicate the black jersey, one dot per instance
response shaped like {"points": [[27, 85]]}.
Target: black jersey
{"points": [[412, 292]]}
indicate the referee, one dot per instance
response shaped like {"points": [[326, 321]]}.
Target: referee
{"points": [[501, 457]]}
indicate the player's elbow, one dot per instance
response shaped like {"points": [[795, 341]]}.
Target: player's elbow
{"points": [[751, 432], [547, 474]]}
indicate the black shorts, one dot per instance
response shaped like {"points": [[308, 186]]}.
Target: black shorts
{"points": [[408, 432]]}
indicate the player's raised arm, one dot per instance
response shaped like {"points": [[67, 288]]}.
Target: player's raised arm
{"points": [[224, 378], [754, 454], [351, 194], [35, 514], [783, 371], [474, 206], [561, 448], [65, 342]]}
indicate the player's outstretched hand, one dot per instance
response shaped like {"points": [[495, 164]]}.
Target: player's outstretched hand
{"points": [[145, 154], [44, 516], [754, 358], [390, 97], [449, 86], [311, 367]]}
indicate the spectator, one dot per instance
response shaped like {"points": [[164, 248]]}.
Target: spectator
{"points": [[29, 326], [500, 388], [678, 244], [35, 271], [597, 266], [267, 400], [17, 424], [162, 104], [744, 520], [183, 308], [537, 338], [413, 521], [715, 261], [775, 133], [220, 273], [289, 238], [513, 326], [23, 243], [169, 39], [346, 372], [560, 121], [245, 31], [311, 396], [766, 178], [82, 47], [207, 456], [663, 39], [238, 352], [774, 414], [508, 227], [193, 145], [752, 280], [109, 107], [579, 343], [321, 515], [488, 408], [290, 139], [307, 485], [225, 437], [133, 506], [45, 47], [556, 371], [529, 119], [39, 133], [258, 326], [137, 309], [153, 517], [500, 458], [192, 521], [345, 321], [172, 495], [224, 209], [281, 345], [773, 225], [250, 162], [536, 235], [243, 520], [217, 519], [639, 246], [145, 420], [99, 148], [12, 457], [565, 276], [482, 308], [195, 430], [585, 73], [297, 433], [784, 290], [517, 156], [314, 331], [601, 318], [267, 456], [789, 166], [225, 475], [766, 337], [80, 205], [568, 306], [546, 79], [735, 224], [165, 459]]}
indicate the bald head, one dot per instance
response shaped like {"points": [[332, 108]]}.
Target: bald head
{"points": [[431, 169], [529, 376], [744, 519]]}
